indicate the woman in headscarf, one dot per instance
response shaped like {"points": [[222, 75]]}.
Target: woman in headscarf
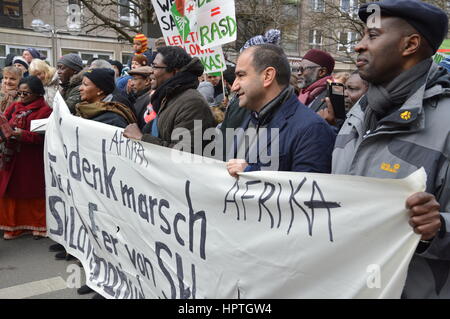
{"points": [[9, 86], [97, 100], [22, 188], [49, 78], [29, 54]]}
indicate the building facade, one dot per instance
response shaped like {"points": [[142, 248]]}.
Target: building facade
{"points": [[302, 29], [55, 39]]}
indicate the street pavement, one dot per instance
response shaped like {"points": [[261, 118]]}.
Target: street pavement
{"points": [[28, 270]]}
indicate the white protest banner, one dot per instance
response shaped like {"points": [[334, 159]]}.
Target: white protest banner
{"points": [[178, 23], [144, 226], [216, 22]]}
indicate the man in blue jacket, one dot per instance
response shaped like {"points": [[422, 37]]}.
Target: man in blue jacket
{"points": [[280, 133]]}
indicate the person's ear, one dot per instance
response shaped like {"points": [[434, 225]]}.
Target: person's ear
{"points": [[323, 72], [411, 44], [269, 75]]}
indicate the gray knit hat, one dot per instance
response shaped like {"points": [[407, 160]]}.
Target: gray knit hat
{"points": [[72, 61]]}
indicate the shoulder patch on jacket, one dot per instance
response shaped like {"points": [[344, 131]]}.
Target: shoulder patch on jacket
{"points": [[402, 116]]}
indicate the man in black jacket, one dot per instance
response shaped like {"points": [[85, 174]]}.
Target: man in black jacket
{"points": [[180, 108]]}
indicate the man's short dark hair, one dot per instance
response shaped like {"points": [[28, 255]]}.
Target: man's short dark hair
{"points": [[229, 74], [174, 57], [270, 55]]}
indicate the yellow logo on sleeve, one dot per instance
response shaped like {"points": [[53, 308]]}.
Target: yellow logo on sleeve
{"points": [[388, 168], [406, 115]]}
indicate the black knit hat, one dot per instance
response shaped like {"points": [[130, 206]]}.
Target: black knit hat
{"points": [[430, 21], [102, 78], [34, 83]]}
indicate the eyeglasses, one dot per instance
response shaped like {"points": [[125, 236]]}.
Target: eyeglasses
{"points": [[154, 66], [302, 69], [24, 93]]}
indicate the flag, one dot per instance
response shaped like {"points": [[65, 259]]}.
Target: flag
{"points": [[184, 13]]}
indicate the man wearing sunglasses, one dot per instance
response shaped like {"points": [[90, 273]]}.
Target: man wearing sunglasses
{"points": [[314, 72]]}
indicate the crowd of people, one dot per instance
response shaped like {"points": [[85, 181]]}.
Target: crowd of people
{"points": [[396, 105]]}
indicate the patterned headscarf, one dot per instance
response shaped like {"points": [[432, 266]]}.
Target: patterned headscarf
{"points": [[272, 36]]}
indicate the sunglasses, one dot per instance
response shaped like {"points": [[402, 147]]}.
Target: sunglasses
{"points": [[154, 66], [302, 69], [24, 93]]}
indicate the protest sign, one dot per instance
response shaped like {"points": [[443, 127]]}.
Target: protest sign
{"points": [[146, 226], [216, 22], [178, 23]]}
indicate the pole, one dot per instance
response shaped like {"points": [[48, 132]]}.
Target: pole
{"points": [[54, 36], [223, 87], [54, 49]]}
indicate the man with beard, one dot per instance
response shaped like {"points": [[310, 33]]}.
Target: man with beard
{"points": [[176, 101], [401, 125], [313, 75]]}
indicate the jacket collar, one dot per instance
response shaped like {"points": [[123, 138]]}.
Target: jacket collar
{"points": [[411, 115], [286, 110]]}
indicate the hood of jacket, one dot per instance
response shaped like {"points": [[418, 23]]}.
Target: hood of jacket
{"points": [[438, 77]]}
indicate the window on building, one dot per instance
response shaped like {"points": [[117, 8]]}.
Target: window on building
{"points": [[347, 41], [126, 57], [11, 15], [290, 10], [290, 40], [18, 51], [87, 55], [126, 15], [317, 5], [349, 6], [315, 39], [2, 56], [11, 10]]}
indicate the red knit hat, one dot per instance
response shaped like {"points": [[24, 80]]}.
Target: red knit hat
{"points": [[321, 58], [141, 38]]}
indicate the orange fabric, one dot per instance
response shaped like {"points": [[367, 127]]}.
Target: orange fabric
{"points": [[20, 216]]}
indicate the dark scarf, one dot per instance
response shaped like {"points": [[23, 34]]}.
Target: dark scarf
{"points": [[186, 78], [264, 116], [384, 100]]}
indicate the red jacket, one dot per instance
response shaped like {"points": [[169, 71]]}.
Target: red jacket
{"points": [[25, 176]]}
